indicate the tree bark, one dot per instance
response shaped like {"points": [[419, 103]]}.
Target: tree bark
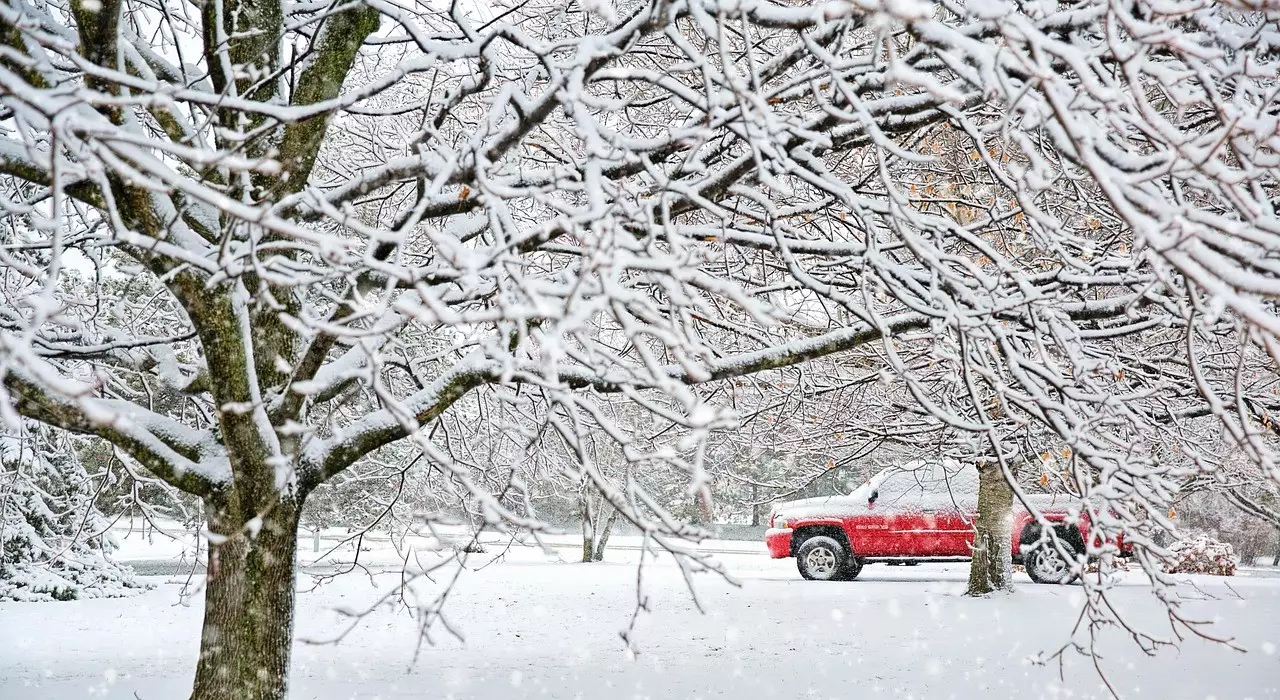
{"points": [[248, 609], [992, 565], [603, 539], [755, 505], [588, 527], [476, 521]]}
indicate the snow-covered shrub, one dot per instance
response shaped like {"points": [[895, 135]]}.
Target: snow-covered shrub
{"points": [[52, 545], [84, 574], [1201, 555], [1213, 514]]}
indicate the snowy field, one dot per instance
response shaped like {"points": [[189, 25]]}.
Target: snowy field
{"points": [[540, 628]]}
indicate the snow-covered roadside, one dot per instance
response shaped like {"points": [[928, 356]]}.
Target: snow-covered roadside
{"points": [[177, 549], [535, 628]]}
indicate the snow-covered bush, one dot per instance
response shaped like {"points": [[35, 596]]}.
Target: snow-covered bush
{"points": [[1249, 531], [1201, 555], [53, 544], [1116, 564], [73, 575]]}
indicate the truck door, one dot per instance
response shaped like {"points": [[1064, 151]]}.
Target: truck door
{"points": [[956, 499], [910, 527], [934, 513]]}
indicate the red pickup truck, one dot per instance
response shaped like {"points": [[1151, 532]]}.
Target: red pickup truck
{"points": [[913, 514]]}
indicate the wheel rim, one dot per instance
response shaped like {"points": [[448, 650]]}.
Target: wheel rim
{"points": [[1050, 564], [821, 562]]}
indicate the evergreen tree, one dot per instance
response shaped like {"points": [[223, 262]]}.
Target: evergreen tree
{"points": [[54, 542]]}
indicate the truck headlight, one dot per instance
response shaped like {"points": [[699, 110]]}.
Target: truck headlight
{"points": [[780, 523]]}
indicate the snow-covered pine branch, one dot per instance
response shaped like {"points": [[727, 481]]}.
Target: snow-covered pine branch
{"points": [[54, 541]]}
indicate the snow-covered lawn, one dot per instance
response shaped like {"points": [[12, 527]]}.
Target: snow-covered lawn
{"points": [[535, 628]]}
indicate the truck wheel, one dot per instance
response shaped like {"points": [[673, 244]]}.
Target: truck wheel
{"points": [[1045, 564], [852, 567], [822, 559]]}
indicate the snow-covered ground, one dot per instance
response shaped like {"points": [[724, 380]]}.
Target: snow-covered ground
{"points": [[541, 628]]}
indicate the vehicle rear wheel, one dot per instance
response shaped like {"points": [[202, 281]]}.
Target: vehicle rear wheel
{"points": [[822, 558], [1045, 564]]}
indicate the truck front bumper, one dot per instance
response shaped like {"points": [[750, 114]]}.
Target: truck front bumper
{"points": [[779, 542]]}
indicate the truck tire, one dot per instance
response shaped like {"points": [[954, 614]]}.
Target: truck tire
{"points": [[822, 558], [1045, 564], [852, 567]]}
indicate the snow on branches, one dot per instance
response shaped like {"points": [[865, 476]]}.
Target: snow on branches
{"points": [[249, 249], [54, 542]]}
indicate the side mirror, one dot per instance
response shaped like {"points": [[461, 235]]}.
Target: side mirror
{"points": [[872, 498]]}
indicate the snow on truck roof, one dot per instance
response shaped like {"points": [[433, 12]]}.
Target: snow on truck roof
{"points": [[917, 484]]}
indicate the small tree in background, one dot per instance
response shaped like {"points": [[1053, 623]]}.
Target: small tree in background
{"points": [[54, 542]]}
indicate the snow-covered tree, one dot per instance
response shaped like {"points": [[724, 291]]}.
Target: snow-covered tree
{"points": [[351, 218], [54, 542]]}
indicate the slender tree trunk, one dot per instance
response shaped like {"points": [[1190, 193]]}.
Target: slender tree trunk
{"points": [[603, 539], [1276, 560], [755, 505], [248, 608], [476, 522], [992, 565], [588, 527]]}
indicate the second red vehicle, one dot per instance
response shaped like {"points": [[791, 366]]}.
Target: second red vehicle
{"points": [[914, 514]]}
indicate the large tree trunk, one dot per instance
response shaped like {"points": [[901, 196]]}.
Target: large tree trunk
{"points": [[248, 608], [992, 565]]}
